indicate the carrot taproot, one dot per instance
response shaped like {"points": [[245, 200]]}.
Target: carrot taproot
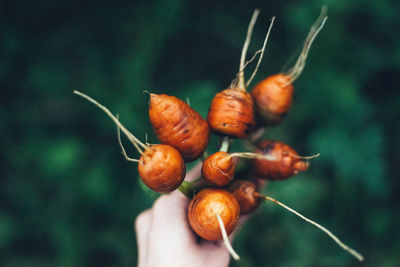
{"points": [[219, 168], [231, 111], [273, 96], [160, 167], [213, 214], [176, 124], [244, 192], [283, 161]]}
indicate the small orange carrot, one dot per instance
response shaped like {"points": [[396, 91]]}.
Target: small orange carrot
{"points": [[177, 124], [203, 208], [161, 167], [283, 163], [244, 192], [219, 168], [213, 215], [273, 96], [231, 112]]}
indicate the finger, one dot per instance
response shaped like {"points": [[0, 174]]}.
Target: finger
{"points": [[143, 224], [170, 234], [142, 229], [217, 254], [170, 217], [194, 173], [171, 210]]}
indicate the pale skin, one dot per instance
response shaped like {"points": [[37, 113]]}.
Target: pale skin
{"points": [[164, 236]]}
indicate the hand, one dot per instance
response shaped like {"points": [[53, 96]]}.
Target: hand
{"points": [[165, 239]]}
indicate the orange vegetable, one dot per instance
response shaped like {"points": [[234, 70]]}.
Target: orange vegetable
{"points": [[273, 99], [245, 193], [177, 124], [218, 169], [231, 112], [284, 162], [203, 210], [161, 167], [273, 96]]}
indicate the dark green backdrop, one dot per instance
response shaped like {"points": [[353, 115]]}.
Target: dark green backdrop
{"points": [[68, 198]]}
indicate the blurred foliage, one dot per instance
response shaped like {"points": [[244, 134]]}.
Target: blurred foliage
{"points": [[67, 197]]}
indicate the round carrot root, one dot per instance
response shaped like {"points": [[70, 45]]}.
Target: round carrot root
{"points": [[284, 161], [162, 168], [273, 96], [218, 169], [244, 192], [231, 113], [177, 124], [272, 99], [203, 209]]}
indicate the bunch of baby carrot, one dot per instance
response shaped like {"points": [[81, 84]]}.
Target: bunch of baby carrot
{"points": [[219, 198]]}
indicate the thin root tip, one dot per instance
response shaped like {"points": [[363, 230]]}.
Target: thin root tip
{"points": [[236, 258], [146, 92], [271, 22], [79, 93], [357, 255]]}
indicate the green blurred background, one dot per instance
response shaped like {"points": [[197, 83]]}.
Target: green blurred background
{"points": [[68, 198]]}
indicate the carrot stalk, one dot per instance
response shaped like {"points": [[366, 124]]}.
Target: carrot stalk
{"points": [[297, 69], [123, 149], [116, 121], [262, 53], [187, 189], [241, 83], [225, 144]]}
